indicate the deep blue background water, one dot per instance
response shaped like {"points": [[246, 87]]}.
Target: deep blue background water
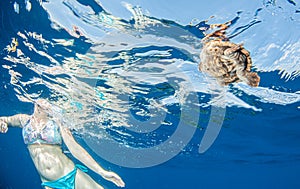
{"points": [[253, 150]]}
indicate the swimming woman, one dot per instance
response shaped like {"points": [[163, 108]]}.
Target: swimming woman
{"points": [[44, 135]]}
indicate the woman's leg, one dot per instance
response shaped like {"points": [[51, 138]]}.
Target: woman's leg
{"points": [[84, 181]]}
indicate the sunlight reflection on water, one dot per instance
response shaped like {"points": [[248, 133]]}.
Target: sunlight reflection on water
{"points": [[135, 52]]}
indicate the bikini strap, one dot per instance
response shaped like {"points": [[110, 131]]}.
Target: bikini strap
{"points": [[81, 167]]}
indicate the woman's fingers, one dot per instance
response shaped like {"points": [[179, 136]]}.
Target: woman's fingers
{"points": [[3, 126], [113, 177]]}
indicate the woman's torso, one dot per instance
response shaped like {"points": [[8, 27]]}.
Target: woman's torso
{"points": [[44, 144], [50, 161]]}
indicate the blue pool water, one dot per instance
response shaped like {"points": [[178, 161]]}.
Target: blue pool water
{"points": [[125, 77]]}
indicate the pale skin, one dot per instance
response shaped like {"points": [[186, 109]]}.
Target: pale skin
{"points": [[49, 160]]}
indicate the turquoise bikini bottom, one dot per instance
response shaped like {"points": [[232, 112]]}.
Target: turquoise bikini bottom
{"points": [[65, 182]]}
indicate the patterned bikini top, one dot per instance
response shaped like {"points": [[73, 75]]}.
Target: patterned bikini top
{"points": [[50, 134]]}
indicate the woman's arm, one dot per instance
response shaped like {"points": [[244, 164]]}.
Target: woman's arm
{"points": [[82, 155], [18, 120]]}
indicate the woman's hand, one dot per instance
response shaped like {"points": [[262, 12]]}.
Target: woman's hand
{"points": [[3, 125], [113, 177], [82, 155]]}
